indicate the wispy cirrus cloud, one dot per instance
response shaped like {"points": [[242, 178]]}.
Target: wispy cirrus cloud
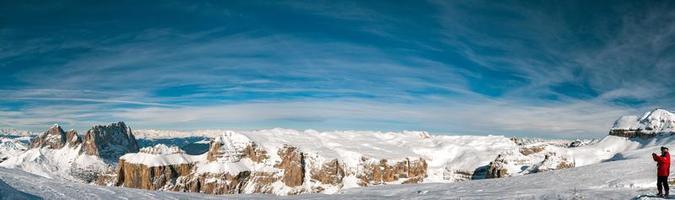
{"points": [[454, 67]]}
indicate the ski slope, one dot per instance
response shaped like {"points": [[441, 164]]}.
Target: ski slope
{"points": [[625, 175]]}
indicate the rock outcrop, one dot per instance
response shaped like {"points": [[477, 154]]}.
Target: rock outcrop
{"points": [[237, 165], [54, 138], [527, 150], [522, 162], [255, 153], [293, 165], [553, 161], [331, 172], [150, 177], [214, 183], [497, 168], [383, 171], [73, 139], [575, 143], [220, 173], [110, 141]]}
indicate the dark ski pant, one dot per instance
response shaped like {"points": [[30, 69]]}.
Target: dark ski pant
{"points": [[662, 183]]}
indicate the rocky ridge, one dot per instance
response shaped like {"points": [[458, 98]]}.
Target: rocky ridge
{"points": [[234, 164], [531, 158], [109, 141], [56, 153], [53, 138]]}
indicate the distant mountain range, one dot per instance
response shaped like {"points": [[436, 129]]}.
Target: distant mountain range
{"points": [[285, 161]]}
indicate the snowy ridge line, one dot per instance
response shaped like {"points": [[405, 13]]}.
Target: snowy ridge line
{"points": [[286, 161], [657, 121], [337, 144]]}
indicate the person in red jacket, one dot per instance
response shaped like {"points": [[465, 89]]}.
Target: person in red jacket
{"points": [[663, 170]]}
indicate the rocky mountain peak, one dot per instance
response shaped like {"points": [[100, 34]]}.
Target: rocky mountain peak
{"points": [[73, 139], [53, 138], [110, 141]]}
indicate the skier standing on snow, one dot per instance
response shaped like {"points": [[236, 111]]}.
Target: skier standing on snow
{"points": [[663, 170]]}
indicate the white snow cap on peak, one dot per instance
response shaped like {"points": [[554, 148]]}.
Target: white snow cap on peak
{"points": [[657, 113], [229, 139], [628, 122], [656, 121], [659, 120]]}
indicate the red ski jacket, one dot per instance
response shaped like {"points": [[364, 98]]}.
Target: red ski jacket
{"points": [[662, 164]]}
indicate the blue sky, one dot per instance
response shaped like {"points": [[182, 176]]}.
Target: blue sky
{"points": [[525, 68]]}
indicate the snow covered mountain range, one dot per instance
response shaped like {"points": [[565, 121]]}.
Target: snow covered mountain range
{"points": [[285, 161]]}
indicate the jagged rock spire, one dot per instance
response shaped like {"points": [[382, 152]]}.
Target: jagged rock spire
{"points": [[110, 141], [53, 138]]}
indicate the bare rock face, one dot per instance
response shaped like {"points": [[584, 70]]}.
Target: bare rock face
{"points": [[151, 178], [73, 139], [110, 141], [54, 138], [215, 152], [261, 182], [331, 172], [382, 172], [293, 164], [532, 150], [417, 171], [496, 168], [255, 153], [212, 183], [184, 177], [631, 133]]}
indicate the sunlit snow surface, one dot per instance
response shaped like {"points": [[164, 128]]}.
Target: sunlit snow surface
{"points": [[631, 173]]}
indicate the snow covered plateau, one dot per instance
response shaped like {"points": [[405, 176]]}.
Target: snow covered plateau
{"points": [[114, 161]]}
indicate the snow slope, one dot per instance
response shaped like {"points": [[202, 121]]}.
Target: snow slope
{"points": [[58, 189], [10, 147], [625, 178], [65, 163]]}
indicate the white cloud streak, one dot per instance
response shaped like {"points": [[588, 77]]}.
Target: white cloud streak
{"points": [[117, 79]]}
